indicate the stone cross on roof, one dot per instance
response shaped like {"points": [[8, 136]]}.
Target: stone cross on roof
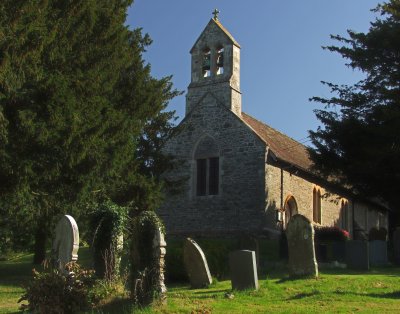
{"points": [[216, 12]]}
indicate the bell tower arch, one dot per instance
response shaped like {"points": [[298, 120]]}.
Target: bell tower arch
{"points": [[215, 67]]}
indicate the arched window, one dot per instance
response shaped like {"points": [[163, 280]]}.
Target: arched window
{"points": [[344, 212], [290, 209], [220, 61], [207, 167], [206, 63], [317, 205]]}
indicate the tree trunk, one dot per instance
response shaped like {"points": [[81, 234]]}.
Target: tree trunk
{"points": [[40, 244]]}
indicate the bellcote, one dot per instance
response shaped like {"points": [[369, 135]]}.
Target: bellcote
{"points": [[215, 67]]}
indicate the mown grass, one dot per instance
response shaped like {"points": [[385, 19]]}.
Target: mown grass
{"points": [[335, 291]]}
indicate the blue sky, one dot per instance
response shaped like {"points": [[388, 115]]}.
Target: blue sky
{"points": [[282, 62]]}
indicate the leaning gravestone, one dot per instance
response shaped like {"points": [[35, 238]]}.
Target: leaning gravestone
{"points": [[396, 245], [66, 243], [357, 254], [300, 237], [243, 270], [196, 264]]}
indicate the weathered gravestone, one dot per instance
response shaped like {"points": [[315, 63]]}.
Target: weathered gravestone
{"points": [[159, 252], [243, 270], [300, 237], [357, 254], [66, 243], [378, 253], [196, 264], [396, 245], [147, 260]]}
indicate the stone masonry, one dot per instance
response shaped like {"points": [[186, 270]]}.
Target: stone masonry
{"points": [[251, 188]]}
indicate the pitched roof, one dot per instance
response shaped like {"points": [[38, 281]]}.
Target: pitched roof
{"points": [[283, 147], [222, 28], [226, 32]]}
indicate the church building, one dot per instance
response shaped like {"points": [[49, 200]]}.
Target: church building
{"points": [[238, 175]]}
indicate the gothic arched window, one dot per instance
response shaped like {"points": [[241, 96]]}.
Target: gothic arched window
{"points": [[290, 209], [206, 158], [206, 63], [220, 61], [317, 205]]}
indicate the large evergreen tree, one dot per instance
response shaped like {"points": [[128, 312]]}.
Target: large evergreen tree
{"points": [[75, 95], [358, 144]]}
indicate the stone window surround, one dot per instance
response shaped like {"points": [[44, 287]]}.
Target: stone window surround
{"points": [[289, 201], [317, 211], [344, 214], [208, 155]]}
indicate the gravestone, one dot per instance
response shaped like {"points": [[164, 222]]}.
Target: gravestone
{"points": [[378, 253], [243, 270], [66, 243], [357, 254], [396, 245], [196, 264], [159, 252], [147, 260], [339, 251], [300, 237]]}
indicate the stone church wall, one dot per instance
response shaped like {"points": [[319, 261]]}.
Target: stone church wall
{"points": [[302, 191], [240, 205], [367, 216]]}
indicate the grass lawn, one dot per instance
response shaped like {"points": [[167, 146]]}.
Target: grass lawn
{"points": [[344, 291]]}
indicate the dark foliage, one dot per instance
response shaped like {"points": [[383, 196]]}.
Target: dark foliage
{"points": [[358, 145], [330, 234], [377, 234], [80, 114]]}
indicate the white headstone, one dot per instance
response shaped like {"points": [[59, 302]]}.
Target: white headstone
{"points": [[66, 243], [196, 264]]}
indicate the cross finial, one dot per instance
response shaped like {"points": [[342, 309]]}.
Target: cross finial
{"points": [[216, 12]]}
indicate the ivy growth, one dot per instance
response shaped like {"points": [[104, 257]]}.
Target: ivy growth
{"points": [[144, 264], [107, 224]]}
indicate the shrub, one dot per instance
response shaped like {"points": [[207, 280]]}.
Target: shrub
{"points": [[174, 267], [217, 252], [51, 291], [377, 234], [330, 234]]}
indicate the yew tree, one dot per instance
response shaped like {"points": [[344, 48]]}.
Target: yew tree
{"points": [[358, 143], [75, 95]]}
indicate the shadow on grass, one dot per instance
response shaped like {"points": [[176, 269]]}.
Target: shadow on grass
{"points": [[121, 305], [295, 278], [384, 270], [388, 295], [212, 291], [303, 295]]}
